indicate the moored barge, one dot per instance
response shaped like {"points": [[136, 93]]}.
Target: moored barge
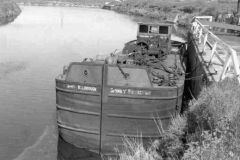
{"points": [[99, 101]]}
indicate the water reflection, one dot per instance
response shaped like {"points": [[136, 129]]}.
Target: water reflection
{"points": [[68, 151]]}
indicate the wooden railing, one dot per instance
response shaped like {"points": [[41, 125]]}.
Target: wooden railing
{"points": [[203, 35], [209, 18]]}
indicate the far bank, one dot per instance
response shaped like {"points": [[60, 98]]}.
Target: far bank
{"points": [[167, 10], [9, 9]]}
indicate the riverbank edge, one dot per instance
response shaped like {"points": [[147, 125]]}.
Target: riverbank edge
{"points": [[167, 11], [69, 4], [8, 9]]}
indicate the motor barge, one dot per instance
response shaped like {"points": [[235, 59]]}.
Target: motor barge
{"points": [[101, 100]]}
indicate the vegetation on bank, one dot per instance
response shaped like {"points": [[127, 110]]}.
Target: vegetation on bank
{"points": [[82, 2], [8, 9], [208, 130], [161, 9]]}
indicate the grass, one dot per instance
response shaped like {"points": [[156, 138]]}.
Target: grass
{"points": [[208, 130], [213, 122], [134, 150]]}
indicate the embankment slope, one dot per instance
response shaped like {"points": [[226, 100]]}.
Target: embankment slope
{"points": [[8, 9]]}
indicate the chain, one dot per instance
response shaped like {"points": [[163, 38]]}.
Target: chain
{"points": [[125, 75]]}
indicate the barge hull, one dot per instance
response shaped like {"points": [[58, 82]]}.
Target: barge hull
{"points": [[96, 116]]}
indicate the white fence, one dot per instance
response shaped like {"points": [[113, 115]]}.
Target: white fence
{"points": [[209, 18], [203, 35]]}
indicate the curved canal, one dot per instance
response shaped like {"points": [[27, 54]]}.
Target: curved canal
{"points": [[34, 48]]}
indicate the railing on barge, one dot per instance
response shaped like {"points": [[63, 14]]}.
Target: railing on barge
{"points": [[208, 39]]}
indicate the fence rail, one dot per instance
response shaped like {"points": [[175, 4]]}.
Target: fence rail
{"points": [[204, 35]]}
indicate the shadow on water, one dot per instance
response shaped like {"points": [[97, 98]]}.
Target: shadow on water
{"points": [[50, 146], [68, 151]]}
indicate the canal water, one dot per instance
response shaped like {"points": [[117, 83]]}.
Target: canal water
{"points": [[33, 50]]}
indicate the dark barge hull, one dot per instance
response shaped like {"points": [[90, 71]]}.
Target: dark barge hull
{"points": [[95, 111], [108, 7]]}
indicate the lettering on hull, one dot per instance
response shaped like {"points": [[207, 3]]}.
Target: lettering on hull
{"points": [[87, 88], [82, 88], [130, 92]]}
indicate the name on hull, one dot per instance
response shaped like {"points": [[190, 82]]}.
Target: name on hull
{"points": [[130, 92], [82, 88], [112, 90]]}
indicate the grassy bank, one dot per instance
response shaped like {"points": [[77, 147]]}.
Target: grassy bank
{"points": [[159, 9], [82, 2], [8, 9], [208, 130]]}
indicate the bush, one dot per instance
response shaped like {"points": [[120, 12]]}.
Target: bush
{"points": [[139, 12], [214, 122], [188, 9], [155, 14], [210, 11], [171, 145], [134, 150], [169, 9]]}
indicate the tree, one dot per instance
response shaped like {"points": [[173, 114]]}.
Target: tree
{"points": [[238, 7]]}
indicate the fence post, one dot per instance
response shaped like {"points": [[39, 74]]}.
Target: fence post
{"points": [[200, 35], [235, 64], [196, 29], [211, 19], [205, 41], [225, 66], [212, 53]]}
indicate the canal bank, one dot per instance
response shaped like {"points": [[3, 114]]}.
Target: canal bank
{"points": [[9, 9], [221, 11]]}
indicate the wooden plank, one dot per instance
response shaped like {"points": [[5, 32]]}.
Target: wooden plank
{"points": [[220, 25]]}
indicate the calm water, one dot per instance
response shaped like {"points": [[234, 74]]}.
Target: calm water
{"points": [[33, 50]]}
